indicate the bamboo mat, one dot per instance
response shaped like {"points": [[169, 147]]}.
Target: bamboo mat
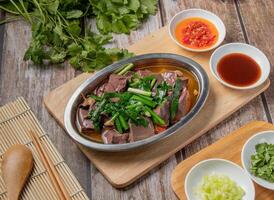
{"points": [[16, 119]]}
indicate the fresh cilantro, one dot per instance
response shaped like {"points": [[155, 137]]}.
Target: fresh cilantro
{"points": [[58, 32], [121, 16], [262, 163]]}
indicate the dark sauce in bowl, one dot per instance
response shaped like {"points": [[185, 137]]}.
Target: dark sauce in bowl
{"points": [[239, 70]]}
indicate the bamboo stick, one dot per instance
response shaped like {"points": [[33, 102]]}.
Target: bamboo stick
{"points": [[54, 176]]}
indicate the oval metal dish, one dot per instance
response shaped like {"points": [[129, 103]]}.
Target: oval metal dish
{"points": [[142, 60]]}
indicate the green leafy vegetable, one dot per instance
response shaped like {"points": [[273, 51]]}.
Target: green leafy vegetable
{"points": [[161, 93], [175, 99], [118, 125], [58, 33], [138, 91], [130, 107], [143, 100], [142, 83], [219, 187], [125, 69], [156, 118], [121, 16], [262, 163]]}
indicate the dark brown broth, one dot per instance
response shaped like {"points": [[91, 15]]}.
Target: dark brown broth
{"points": [[239, 69], [193, 88]]}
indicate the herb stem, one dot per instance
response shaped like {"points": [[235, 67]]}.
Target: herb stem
{"points": [[157, 119], [118, 125], [20, 11], [123, 122], [144, 101], [152, 82], [126, 69], [99, 108], [25, 10], [40, 10], [133, 105], [139, 91]]}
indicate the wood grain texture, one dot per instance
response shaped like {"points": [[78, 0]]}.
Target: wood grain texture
{"points": [[254, 110], [19, 79], [126, 167], [98, 183], [258, 24], [219, 150]]}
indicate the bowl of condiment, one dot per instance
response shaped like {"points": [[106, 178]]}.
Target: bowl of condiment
{"points": [[197, 30], [258, 158], [218, 179], [239, 66]]}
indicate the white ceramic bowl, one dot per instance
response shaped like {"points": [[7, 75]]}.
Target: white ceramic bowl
{"points": [[243, 48], [249, 149], [189, 13], [218, 166]]}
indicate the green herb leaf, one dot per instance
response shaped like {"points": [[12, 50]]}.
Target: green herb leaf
{"points": [[73, 14], [58, 33], [262, 163]]}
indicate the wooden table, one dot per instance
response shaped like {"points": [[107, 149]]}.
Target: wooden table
{"points": [[250, 21]]}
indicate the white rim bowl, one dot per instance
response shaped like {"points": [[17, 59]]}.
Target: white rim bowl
{"points": [[189, 13], [249, 149], [246, 49], [218, 166]]}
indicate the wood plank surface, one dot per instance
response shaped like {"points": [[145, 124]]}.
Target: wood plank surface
{"points": [[219, 150], [258, 25], [125, 166], [18, 78]]}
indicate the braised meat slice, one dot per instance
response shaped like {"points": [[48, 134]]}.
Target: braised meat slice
{"points": [[163, 111], [84, 124], [144, 72], [87, 103], [99, 91], [171, 76], [116, 83], [111, 136], [140, 132]]}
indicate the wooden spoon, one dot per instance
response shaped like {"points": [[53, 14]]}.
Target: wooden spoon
{"points": [[16, 167]]}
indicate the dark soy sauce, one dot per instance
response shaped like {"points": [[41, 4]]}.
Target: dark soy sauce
{"points": [[239, 70]]}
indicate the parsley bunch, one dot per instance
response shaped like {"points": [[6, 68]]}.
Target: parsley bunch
{"points": [[262, 163], [58, 32]]}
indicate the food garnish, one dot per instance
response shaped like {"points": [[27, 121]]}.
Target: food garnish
{"points": [[134, 104], [59, 34], [197, 33], [219, 187], [262, 163]]}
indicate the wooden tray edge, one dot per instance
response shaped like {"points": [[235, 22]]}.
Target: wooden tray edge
{"points": [[174, 172], [127, 182]]}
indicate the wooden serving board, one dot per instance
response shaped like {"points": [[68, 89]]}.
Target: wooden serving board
{"points": [[121, 169], [229, 148]]}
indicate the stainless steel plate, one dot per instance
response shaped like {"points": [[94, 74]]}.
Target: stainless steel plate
{"points": [[142, 60]]}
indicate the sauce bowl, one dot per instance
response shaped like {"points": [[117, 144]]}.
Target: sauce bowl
{"points": [[245, 49], [189, 13], [249, 149], [222, 167], [150, 60]]}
